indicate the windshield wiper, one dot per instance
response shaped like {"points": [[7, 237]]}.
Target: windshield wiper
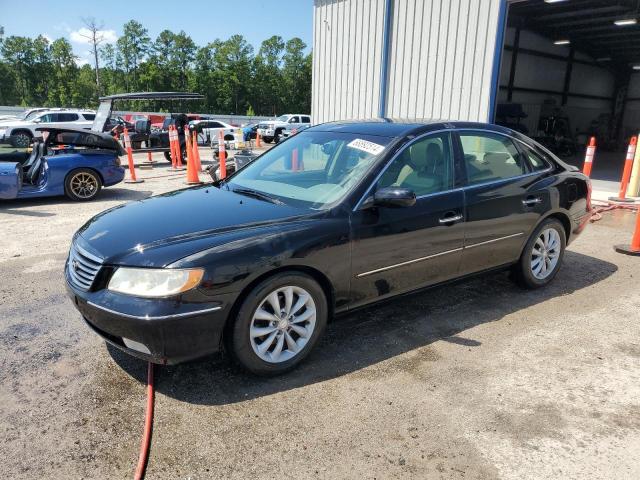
{"points": [[259, 195]]}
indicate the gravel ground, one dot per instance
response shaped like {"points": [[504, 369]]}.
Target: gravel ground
{"points": [[475, 380]]}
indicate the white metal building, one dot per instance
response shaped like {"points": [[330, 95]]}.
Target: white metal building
{"points": [[405, 58]]}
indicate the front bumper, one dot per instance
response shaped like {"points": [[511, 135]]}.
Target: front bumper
{"points": [[163, 331], [266, 132]]}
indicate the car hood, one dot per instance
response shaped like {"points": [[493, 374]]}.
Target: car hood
{"points": [[14, 123], [160, 230]]}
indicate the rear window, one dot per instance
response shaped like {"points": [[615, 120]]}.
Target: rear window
{"points": [[536, 161], [89, 116]]}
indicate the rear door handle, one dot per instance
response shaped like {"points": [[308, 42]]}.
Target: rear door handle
{"points": [[451, 219], [531, 201]]}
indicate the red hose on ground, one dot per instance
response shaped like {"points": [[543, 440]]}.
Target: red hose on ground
{"points": [[148, 427], [596, 213]]}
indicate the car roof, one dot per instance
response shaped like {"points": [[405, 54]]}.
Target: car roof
{"points": [[394, 127]]}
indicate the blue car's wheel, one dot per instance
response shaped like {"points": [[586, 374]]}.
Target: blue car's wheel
{"points": [[82, 184]]}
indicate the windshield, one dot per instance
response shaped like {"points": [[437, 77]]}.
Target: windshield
{"points": [[313, 169], [29, 114], [282, 118]]}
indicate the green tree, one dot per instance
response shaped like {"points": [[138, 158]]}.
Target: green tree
{"points": [[267, 86], [183, 55], [64, 73], [296, 73], [19, 54], [133, 46]]}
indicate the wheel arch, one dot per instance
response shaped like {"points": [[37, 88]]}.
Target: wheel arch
{"points": [[564, 220], [314, 273]]}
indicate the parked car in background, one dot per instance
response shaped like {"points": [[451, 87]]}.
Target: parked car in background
{"points": [[208, 130], [72, 162], [271, 130], [20, 133], [339, 216], [289, 131]]}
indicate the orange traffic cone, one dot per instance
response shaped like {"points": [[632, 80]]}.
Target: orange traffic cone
{"points": [[192, 171], [626, 173], [132, 168], [222, 155], [588, 158], [178, 151], [634, 248], [196, 152], [258, 144]]}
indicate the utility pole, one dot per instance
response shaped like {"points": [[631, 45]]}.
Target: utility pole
{"points": [[95, 38]]}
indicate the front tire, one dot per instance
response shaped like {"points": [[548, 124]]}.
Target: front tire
{"points": [[267, 139], [542, 255], [82, 185], [21, 140], [278, 324]]}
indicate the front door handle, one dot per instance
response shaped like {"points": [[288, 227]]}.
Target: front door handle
{"points": [[451, 219], [531, 201]]}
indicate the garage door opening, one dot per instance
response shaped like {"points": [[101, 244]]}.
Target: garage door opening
{"points": [[570, 70]]}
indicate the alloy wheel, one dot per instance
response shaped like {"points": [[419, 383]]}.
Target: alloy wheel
{"points": [[282, 324], [545, 253], [84, 185]]}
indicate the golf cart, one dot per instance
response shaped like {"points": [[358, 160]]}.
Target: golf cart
{"points": [[143, 138]]}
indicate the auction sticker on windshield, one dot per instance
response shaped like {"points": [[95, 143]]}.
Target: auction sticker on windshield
{"points": [[365, 146]]}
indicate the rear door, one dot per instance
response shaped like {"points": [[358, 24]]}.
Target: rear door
{"points": [[504, 199], [395, 250]]}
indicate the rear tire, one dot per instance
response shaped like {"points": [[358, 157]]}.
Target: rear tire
{"points": [[82, 185], [289, 334], [167, 156], [542, 255], [267, 139]]}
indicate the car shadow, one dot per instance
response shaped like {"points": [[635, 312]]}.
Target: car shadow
{"points": [[375, 334]]}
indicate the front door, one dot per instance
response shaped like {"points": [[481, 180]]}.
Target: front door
{"points": [[395, 250], [504, 200]]}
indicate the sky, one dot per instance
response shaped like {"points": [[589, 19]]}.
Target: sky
{"points": [[203, 20]]}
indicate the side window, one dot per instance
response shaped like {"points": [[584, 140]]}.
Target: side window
{"points": [[536, 161], [216, 125], [294, 120], [490, 157], [306, 119], [89, 116], [54, 117], [424, 166], [46, 118], [67, 117]]}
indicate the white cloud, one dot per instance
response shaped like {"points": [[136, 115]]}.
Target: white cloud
{"points": [[81, 61], [83, 34]]}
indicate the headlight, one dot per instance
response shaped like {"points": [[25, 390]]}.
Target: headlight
{"points": [[153, 283]]}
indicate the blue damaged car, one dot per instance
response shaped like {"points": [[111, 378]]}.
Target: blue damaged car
{"points": [[72, 162]]}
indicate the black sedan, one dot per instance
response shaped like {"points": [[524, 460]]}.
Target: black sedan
{"points": [[337, 217]]}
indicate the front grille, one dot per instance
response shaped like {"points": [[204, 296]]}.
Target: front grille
{"points": [[263, 126], [82, 267]]}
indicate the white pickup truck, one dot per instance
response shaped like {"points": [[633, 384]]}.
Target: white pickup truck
{"points": [[271, 130]]}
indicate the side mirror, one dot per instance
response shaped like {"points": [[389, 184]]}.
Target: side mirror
{"points": [[37, 120], [393, 197]]}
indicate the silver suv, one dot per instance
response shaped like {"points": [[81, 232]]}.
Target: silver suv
{"points": [[20, 133], [271, 130]]}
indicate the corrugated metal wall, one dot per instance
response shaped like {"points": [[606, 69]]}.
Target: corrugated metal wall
{"points": [[347, 51], [441, 58]]}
